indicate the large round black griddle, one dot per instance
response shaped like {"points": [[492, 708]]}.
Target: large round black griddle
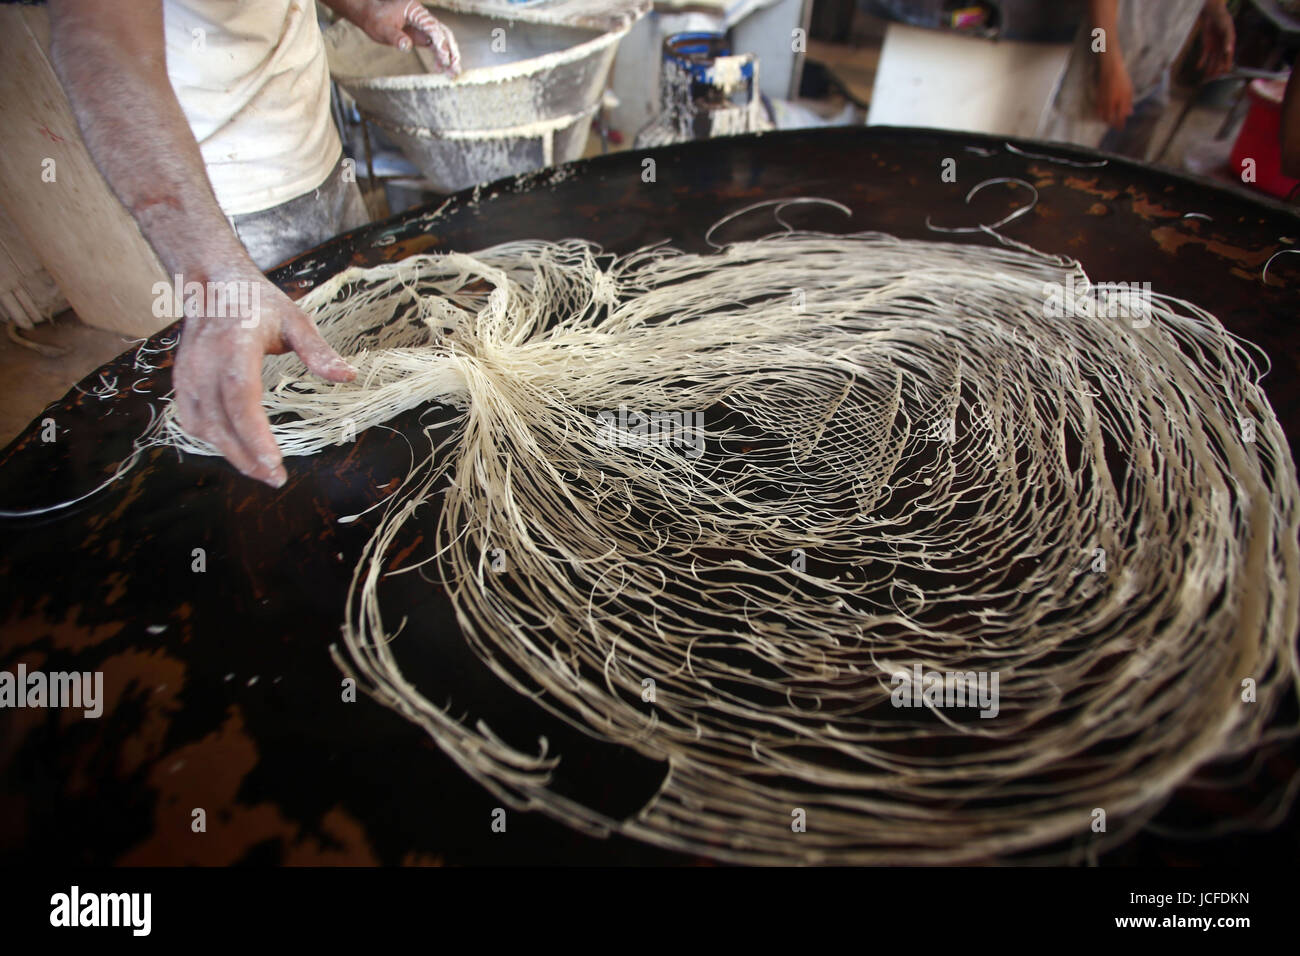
{"points": [[221, 692]]}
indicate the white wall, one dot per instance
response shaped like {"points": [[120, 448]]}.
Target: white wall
{"points": [[937, 79]]}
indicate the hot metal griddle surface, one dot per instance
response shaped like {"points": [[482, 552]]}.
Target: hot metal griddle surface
{"points": [[236, 707]]}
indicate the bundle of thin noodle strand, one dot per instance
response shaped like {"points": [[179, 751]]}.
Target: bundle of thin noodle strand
{"points": [[904, 462]]}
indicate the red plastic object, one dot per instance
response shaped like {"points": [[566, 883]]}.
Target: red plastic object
{"points": [[1259, 140]]}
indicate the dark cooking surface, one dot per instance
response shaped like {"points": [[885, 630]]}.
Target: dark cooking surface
{"points": [[235, 707]]}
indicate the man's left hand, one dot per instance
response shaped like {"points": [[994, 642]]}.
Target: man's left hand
{"points": [[401, 23]]}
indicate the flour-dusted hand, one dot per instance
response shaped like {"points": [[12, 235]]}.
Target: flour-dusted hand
{"points": [[218, 373], [401, 23], [422, 24], [111, 58]]}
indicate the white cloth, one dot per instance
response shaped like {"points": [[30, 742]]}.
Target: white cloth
{"points": [[252, 80]]}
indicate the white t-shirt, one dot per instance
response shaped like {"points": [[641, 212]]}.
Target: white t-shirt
{"points": [[252, 80]]}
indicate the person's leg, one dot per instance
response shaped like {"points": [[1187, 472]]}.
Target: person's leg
{"points": [[275, 235]]}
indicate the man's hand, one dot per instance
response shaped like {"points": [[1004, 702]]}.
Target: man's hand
{"points": [[218, 372], [1218, 38], [1114, 86], [112, 60], [400, 23], [1114, 92]]}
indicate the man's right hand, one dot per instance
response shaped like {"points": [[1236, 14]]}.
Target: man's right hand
{"points": [[1114, 91], [112, 60], [218, 371]]}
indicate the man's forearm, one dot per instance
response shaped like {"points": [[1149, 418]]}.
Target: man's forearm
{"points": [[110, 56], [1104, 15]]}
